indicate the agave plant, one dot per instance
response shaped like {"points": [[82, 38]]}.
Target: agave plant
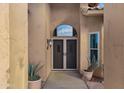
{"points": [[93, 64], [33, 70]]}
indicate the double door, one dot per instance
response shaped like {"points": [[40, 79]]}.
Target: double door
{"points": [[64, 54]]}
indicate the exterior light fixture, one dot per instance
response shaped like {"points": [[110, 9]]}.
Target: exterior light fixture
{"points": [[49, 43]]}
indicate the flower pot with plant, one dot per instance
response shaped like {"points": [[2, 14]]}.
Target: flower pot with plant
{"points": [[88, 73], [34, 80]]}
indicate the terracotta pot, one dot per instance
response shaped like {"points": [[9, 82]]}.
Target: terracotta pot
{"points": [[34, 84], [87, 75]]}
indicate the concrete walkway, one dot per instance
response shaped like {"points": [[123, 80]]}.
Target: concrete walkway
{"points": [[65, 80]]}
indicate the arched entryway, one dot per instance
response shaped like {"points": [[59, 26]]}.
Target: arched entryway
{"points": [[64, 49]]}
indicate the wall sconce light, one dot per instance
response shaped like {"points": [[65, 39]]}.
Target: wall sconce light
{"points": [[49, 43]]}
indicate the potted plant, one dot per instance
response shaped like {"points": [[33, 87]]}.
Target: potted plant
{"points": [[93, 64], [34, 80]]}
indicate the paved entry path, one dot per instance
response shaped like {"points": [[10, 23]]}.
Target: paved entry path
{"points": [[65, 80]]}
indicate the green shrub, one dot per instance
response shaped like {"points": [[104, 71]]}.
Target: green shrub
{"points": [[33, 70]]}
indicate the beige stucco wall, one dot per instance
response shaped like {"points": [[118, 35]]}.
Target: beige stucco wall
{"points": [[18, 24], [83, 43], [4, 45], [39, 32], [65, 14], [89, 24], [13, 46], [114, 45]]}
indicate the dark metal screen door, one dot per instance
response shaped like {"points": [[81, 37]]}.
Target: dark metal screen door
{"points": [[64, 54], [71, 61], [58, 54]]}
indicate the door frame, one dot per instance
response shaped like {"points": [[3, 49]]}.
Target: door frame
{"points": [[64, 49]]}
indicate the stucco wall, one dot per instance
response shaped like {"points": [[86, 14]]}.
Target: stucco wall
{"points": [[83, 43], [87, 25], [4, 45], [39, 32], [114, 46], [65, 14], [18, 24]]}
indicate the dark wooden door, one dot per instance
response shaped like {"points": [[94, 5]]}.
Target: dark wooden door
{"points": [[71, 61], [58, 54]]}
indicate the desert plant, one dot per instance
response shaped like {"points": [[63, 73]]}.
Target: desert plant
{"points": [[93, 64], [33, 70]]}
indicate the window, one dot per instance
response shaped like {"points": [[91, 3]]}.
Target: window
{"points": [[94, 46], [64, 30]]}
